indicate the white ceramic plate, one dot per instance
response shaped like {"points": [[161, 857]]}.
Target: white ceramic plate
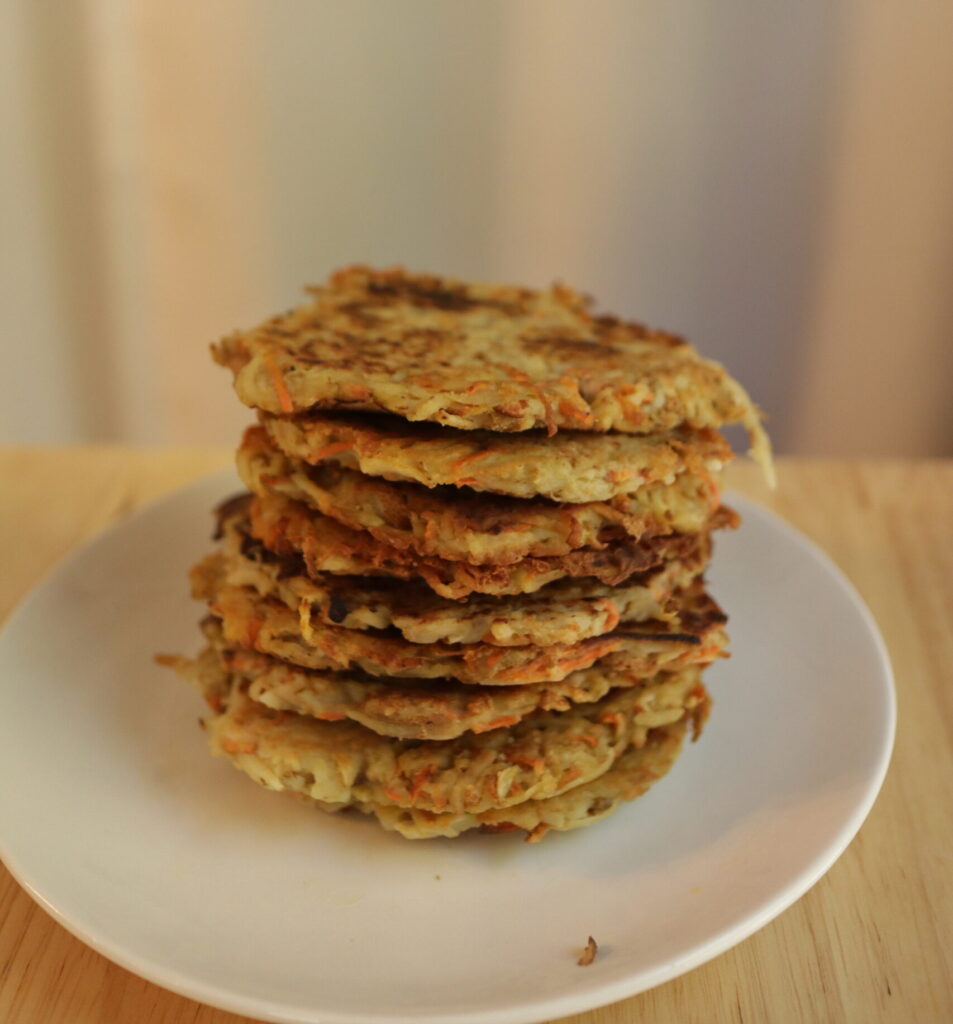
{"points": [[171, 863]]}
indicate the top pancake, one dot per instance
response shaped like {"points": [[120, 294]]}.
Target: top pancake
{"points": [[479, 356]]}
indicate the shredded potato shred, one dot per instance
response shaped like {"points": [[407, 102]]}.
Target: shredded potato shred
{"points": [[465, 587]]}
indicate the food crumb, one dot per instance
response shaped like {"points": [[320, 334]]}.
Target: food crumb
{"points": [[589, 953], [437, 878]]}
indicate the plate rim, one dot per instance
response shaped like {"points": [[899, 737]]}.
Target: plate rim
{"points": [[533, 1009]]}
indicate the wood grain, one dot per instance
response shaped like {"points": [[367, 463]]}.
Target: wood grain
{"points": [[873, 941]]}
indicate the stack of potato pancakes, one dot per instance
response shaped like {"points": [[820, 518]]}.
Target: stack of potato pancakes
{"points": [[465, 589]]}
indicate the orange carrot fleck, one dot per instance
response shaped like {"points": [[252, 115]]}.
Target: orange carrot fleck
{"points": [[456, 466], [499, 723], [420, 780], [536, 763], [328, 450], [548, 413], [573, 412], [281, 389], [632, 414], [537, 833], [613, 718], [234, 747], [493, 658], [612, 613]]}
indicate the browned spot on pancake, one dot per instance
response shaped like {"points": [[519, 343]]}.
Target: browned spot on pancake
{"points": [[569, 348]]}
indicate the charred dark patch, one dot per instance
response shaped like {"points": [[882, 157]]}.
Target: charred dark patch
{"points": [[337, 610], [702, 617], [344, 350], [569, 348], [501, 827], [253, 549], [423, 292], [289, 565], [360, 314], [234, 506], [614, 328], [675, 638], [211, 626], [599, 805]]}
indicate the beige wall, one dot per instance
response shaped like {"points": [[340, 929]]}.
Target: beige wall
{"points": [[772, 180]]}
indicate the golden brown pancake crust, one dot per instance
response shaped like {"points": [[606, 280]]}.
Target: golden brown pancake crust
{"points": [[570, 466], [436, 709], [563, 612], [342, 763], [287, 527], [456, 524], [630, 776], [267, 625]]}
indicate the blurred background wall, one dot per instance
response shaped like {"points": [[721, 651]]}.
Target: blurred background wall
{"points": [[773, 180]]}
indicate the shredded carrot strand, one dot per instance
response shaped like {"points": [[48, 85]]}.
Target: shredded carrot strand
{"points": [[612, 717], [456, 466], [328, 450], [575, 530], [537, 833], [493, 658], [547, 411], [611, 611], [252, 629], [234, 747], [499, 723], [536, 763], [589, 654], [573, 412], [281, 389], [578, 408], [420, 780]]}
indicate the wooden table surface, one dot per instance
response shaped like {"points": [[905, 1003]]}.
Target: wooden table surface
{"points": [[873, 941]]}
